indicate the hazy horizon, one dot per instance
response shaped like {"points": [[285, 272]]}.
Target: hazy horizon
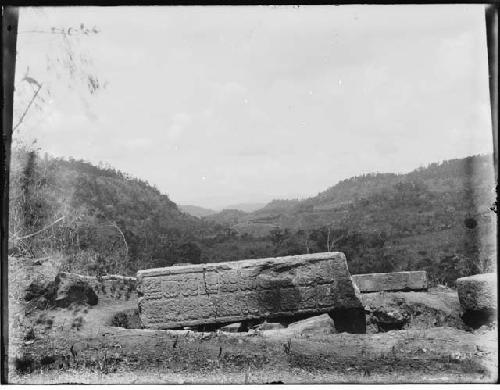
{"points": [[219, 106], [234, 205]]}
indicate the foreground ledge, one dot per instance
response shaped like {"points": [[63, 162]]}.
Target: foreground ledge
{"points": [[270, 288]]}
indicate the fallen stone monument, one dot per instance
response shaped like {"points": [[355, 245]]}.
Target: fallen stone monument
{"points": [[393, 281], [478, 297], [272, 288]]}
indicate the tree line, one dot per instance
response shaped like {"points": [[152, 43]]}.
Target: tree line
{"points": [[101, 220]]}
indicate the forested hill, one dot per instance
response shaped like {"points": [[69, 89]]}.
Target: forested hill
{"points": [[107, 221], [436, 218], [101, 220], [441, 191]]}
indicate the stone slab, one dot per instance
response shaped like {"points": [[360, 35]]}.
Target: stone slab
{"points": [[478, 292], [393, 281], [174, 297]]}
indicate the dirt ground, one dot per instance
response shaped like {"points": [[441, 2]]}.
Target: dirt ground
{"points": [[79, 345]]}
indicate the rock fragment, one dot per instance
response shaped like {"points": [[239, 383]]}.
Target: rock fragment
{"points": [[478, 292], [322, 324], [478, 298], [232, 328]]}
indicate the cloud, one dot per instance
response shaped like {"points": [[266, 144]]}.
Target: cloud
{"points": [[138, 143], [225, 93], [179, 123], [385, 148]]}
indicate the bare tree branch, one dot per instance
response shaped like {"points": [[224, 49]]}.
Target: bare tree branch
{"points": [[27, 107], [115, 225], [62, 31], [39, 231]]}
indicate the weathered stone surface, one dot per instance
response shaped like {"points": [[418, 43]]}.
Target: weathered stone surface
{"points": [[232, 328], [269, 326], [318, 324], [180, 296], [437, 307], [116, 286], [478, 292], [315, 325], [393, 281]]}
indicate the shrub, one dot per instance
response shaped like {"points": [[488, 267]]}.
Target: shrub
{"points": [[30, 334], [77, 323], [24, 364], [49, 322]]}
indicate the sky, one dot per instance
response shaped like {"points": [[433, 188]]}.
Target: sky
{"points": [[223, 105]]}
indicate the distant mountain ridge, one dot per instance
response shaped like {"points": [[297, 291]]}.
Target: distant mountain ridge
{"points": [[463, 185], [449, 175], [200, 212], [473, 173], [245, 207], [436, 218], [196, 211]]}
